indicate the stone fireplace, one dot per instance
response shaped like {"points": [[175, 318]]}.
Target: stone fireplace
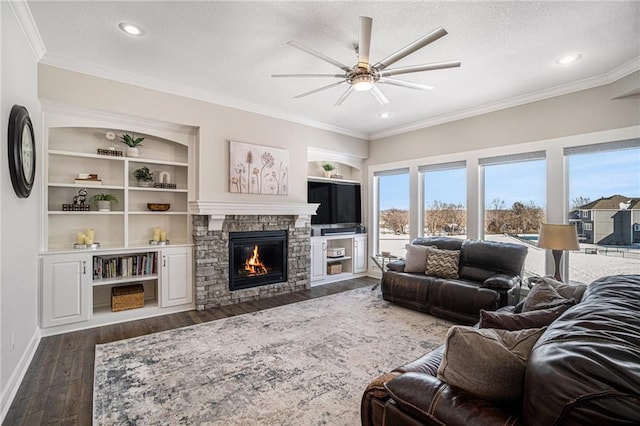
{"points": [[217, 224], [257, 258]]}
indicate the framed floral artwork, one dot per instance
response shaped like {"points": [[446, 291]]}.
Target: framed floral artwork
{"points": [[258, 169]]}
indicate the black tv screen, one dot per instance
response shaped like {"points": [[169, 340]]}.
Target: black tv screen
{"points": [[339, 202]]}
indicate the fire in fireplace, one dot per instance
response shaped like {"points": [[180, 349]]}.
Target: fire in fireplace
{"points": [[257, 258]]}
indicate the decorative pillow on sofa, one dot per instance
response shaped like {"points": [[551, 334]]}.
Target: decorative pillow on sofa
{"points": [[486, 362], [416, 258], [443, 263], [544, 296], [568, 291], [511, 321]]}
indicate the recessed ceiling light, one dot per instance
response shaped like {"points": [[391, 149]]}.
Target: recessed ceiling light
{"points": [[567, 59], [384, 114], [131, 29]]}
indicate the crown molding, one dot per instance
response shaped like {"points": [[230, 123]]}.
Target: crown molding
{"points": [[188, 92], [565, 89], [28, 24]]}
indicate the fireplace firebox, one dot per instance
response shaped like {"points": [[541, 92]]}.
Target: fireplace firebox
{"points": [[257, 258]]}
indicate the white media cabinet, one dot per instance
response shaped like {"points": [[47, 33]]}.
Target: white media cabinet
{"points": [[354, 262]]}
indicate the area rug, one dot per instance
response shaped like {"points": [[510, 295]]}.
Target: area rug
{"points": [[301, 364]]}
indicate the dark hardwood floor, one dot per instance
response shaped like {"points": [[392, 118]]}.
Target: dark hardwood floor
{"points": [[58, 386]]}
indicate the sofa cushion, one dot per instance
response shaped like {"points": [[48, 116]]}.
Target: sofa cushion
{"points": [[446, 243], [396, 265], [544, 296], [494, 256], [416, 258], [486, 362], [442, 263], [568, 291], [502, 281], [510, 321]]}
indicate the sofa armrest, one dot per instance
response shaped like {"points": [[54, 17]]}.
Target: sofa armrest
{"points": [[501, 281], [396, 266], [432, 401]]}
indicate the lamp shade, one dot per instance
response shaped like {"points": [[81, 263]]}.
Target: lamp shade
{"points": [[558, 237]]}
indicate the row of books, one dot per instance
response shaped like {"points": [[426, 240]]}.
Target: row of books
{"points": [[125, 266]]}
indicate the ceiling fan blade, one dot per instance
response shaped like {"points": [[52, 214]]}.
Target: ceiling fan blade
{"points": [[317, 54], [318, 90], [410, 48], [420, 68], [364, 45], [344, 96], [380, 97], [402, 83], [310, 75]]}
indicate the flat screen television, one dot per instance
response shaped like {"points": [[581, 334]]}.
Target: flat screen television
{"points": [[339, 202]]}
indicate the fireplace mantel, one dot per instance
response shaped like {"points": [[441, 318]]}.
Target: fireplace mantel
{"points": [[217, 210]]}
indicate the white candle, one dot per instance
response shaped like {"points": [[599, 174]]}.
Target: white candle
{"points": [[90, 234], [88, 240], [156, 234], [163, 235], [81, 237]]}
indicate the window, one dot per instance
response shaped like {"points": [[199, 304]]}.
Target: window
{"points": [[392, 211], [514, 203], [585, 213], [636, 227], [606, 176], [445, 194]]}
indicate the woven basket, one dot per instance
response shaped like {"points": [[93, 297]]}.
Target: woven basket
{"points": [[334, 268], [127, 297]]}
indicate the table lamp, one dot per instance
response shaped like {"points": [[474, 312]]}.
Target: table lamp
{"points": [[558, 238]]}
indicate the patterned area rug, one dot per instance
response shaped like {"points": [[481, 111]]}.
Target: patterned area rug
{"points": [[301, 364]]}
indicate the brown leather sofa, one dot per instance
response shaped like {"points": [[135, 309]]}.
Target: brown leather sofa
{"points": [[490, 277], [584, 370]]}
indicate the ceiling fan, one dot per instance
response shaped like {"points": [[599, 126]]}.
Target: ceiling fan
{"points": [[363, 76]]}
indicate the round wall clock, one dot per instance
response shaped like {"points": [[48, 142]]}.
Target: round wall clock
{"points": [[22, 151]]}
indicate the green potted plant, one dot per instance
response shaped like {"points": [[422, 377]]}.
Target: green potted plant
{"points": [[132, 143], [328, 169], [144, 176], [103, 201]]}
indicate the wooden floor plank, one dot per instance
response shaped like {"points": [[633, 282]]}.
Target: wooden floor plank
{"points": [[58, 386]]}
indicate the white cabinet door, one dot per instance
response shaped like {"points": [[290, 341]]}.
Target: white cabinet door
{"points": [[318, 259], [359, 254], [177, 276], [66, 289]]}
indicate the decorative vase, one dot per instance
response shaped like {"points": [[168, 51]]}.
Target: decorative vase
{"points": [[132, 152], [104, 206], [144, 184], [327, 173]]}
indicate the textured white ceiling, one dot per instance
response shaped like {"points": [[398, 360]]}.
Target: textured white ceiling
{"points": [[226, 51]]}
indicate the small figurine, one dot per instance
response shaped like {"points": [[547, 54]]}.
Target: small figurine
{"points": [[81, 197]]}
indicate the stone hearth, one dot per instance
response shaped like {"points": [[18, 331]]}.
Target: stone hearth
{"points": [[212, 257]]}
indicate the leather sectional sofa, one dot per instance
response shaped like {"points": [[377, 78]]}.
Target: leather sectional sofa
{"points": [[489, 277], [583, 370]]}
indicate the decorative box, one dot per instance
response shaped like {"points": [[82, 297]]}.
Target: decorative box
{"points": [[127, 297], [334, 268], [335, 252], [110, 152]]}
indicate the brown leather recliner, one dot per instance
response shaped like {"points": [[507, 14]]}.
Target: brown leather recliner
{"points": [[490, 277], [584, 370]]}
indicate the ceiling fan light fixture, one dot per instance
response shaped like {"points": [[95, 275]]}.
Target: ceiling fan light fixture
{"points": [[362, 83]]}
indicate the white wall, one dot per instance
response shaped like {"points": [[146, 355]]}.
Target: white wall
{"points": [[217, 124], [19, 217]]}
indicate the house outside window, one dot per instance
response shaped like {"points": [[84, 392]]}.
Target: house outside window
{"points": [[587, 226]]}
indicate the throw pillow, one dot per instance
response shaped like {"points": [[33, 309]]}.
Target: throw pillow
{"points": [[568, 291], [416, 258], [511, 321], [443, 263], [544, 296], [487, 363]]}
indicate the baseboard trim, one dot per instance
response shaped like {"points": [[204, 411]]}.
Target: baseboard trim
{"points": [[10, 391]]}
